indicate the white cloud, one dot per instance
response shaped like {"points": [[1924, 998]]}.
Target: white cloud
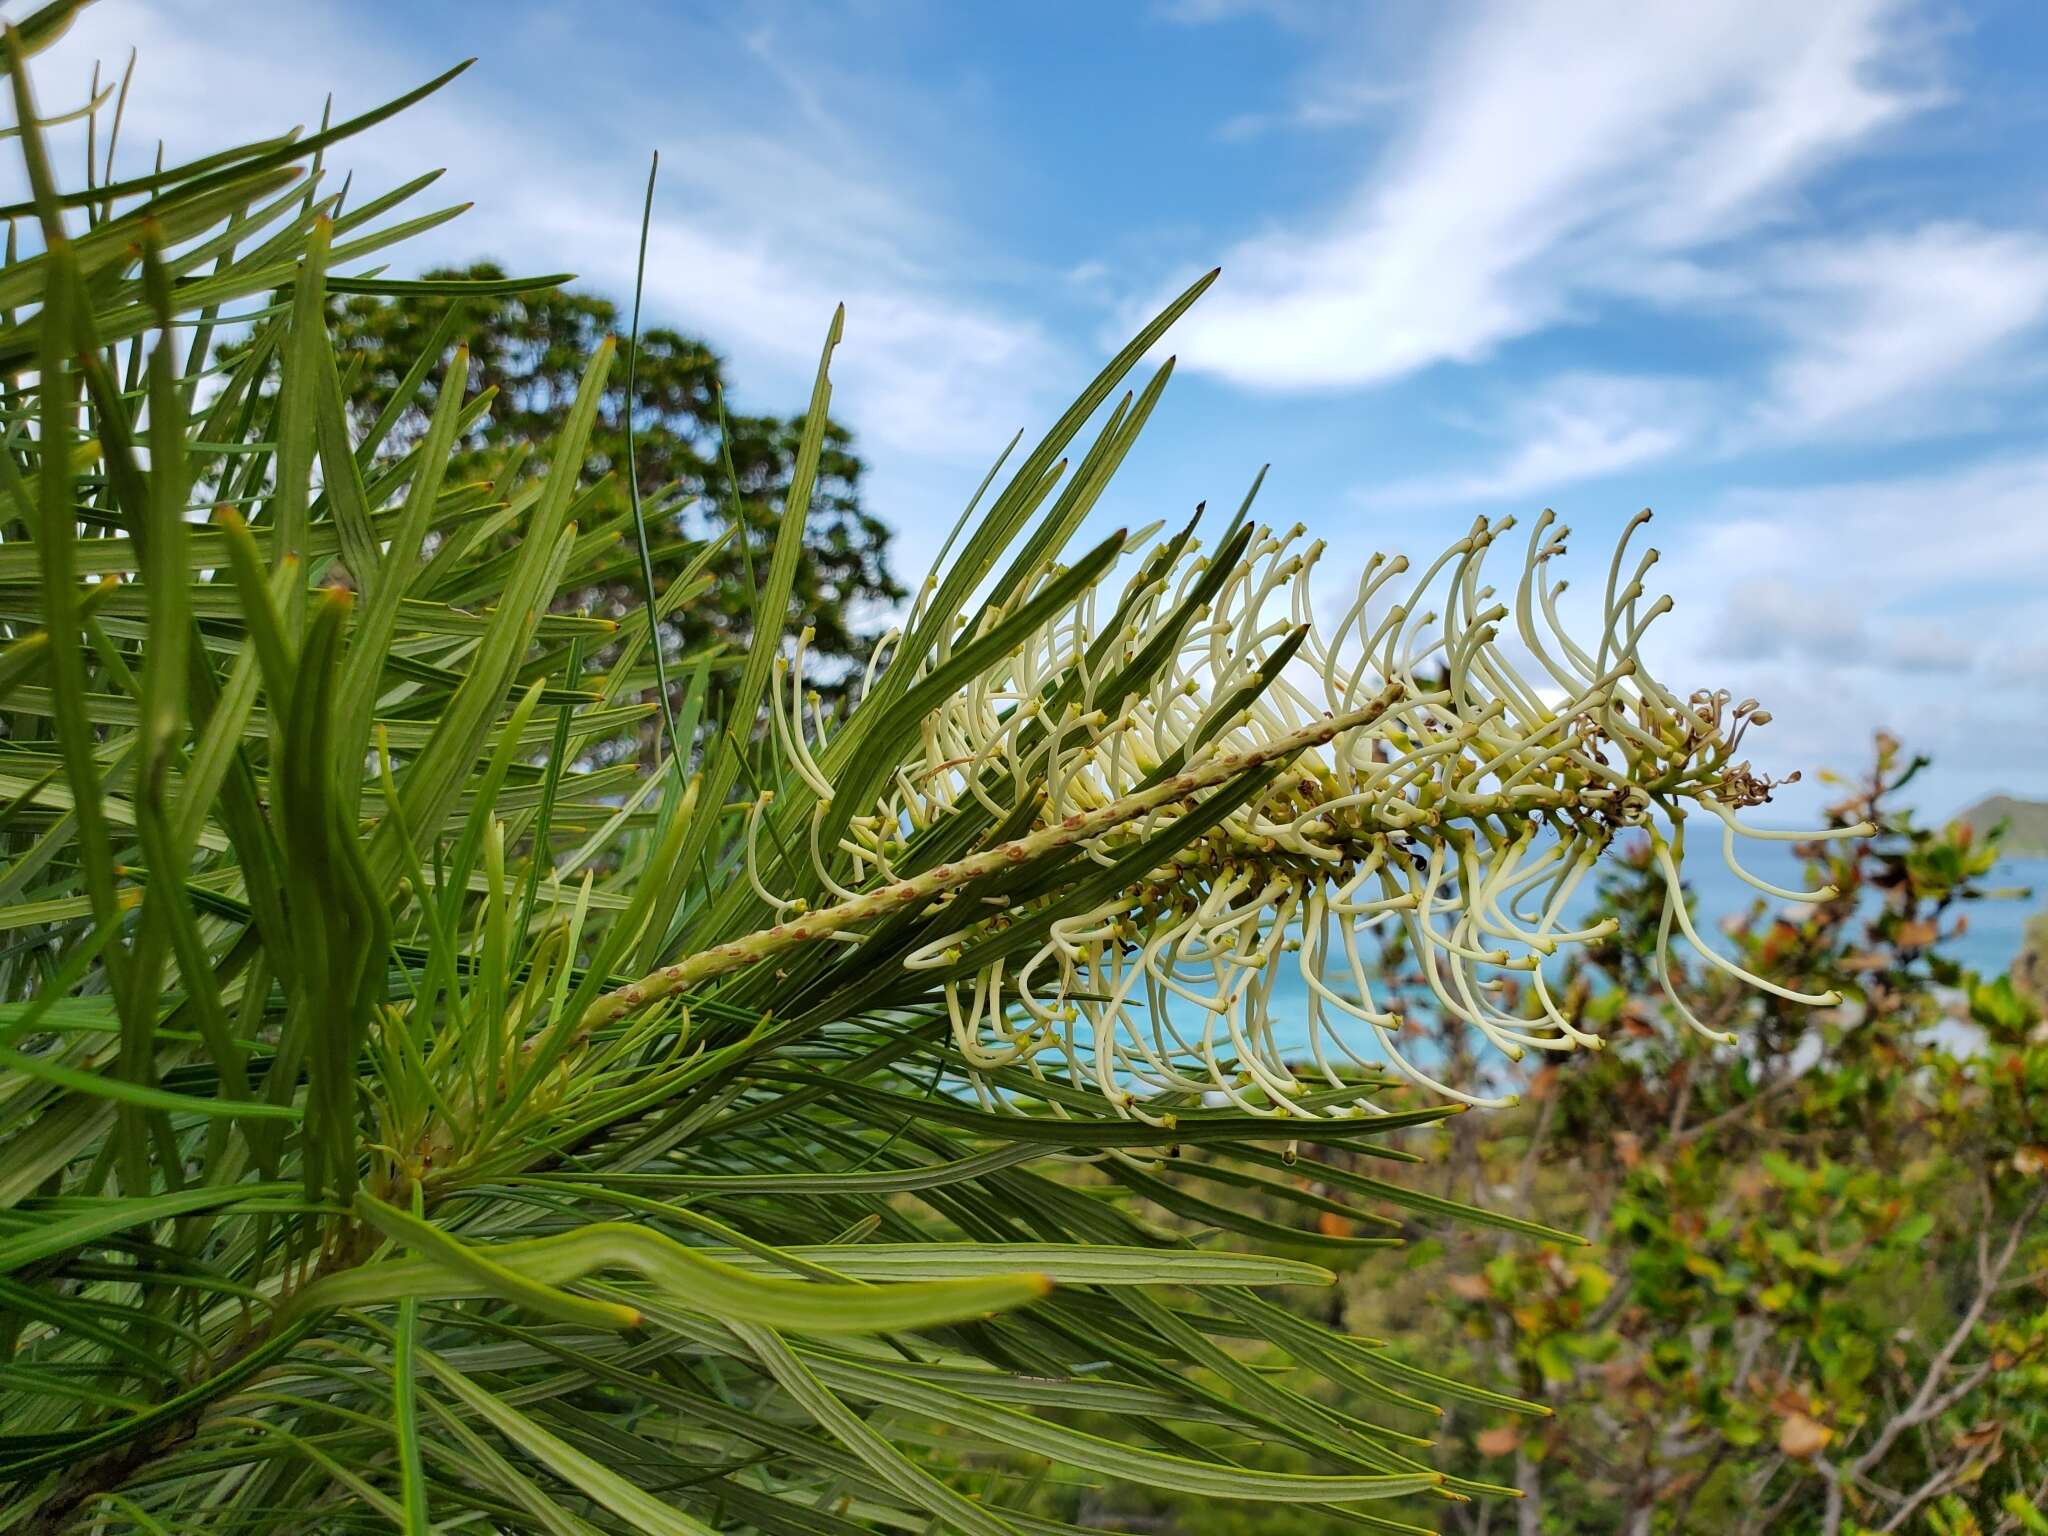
{"points": [[1577, 427], [1883, 319], [1203, 13], [1913, 604], [1772, 617], [1558, 149], [757, 233], [1335, 104], [1894, 333], [1963, 537], [1923, 644]]}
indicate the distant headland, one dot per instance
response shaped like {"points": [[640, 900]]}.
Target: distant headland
{"points": [[2026, 823]]}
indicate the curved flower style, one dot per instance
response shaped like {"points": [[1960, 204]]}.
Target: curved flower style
{"points": [[1446, 758]]}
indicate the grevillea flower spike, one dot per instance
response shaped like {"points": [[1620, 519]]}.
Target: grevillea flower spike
{"points": [[1461, 799], [1184, 792]]}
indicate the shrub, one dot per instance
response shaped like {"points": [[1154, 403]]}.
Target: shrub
{"points": [[404, 1121]]}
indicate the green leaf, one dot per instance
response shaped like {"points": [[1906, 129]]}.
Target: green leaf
{"points": [[902, 1475], [74, 1224], [710, 1285], [477, 1266], [639, 1509]]}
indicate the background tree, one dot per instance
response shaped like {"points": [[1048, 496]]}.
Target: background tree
{"points": [[532, 347], [1814, 1298]]}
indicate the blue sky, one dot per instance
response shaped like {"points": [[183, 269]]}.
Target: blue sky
{"points": [[1778, 271]]}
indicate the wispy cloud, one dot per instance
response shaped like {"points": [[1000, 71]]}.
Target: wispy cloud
{"points": [[1877, 321], [1895, 333], [1335, 104], [760, 230], [1913, 603], [1557, 150], [1202, 13], [1578, 426]]}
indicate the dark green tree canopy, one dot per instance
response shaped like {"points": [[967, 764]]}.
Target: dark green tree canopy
{"points": [[532, 348]]}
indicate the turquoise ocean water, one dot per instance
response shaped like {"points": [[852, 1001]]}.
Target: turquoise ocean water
{"points": [[1989, 941]]}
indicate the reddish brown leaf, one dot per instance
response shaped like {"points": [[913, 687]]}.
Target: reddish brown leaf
{"points": [[1501, 1440], [1802, 1438]]}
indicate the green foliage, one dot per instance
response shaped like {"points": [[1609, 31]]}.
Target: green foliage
{"points": [[410, 1117], [1819, 1303], [702, 470], [404, 1120]]}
